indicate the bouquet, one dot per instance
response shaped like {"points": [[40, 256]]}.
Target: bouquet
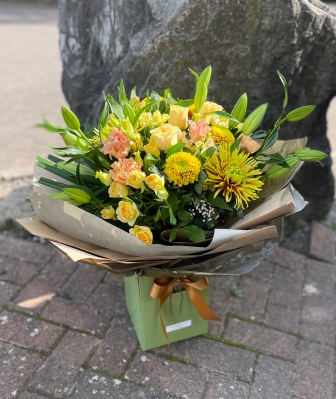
{"points": [[171, 191], [167, 170]]}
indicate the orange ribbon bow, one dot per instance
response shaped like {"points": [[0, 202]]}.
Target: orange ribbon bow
{"points": [[163, 287]]}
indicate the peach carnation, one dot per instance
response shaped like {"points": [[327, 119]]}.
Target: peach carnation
{"points": [[248, 145], [121, 169]]}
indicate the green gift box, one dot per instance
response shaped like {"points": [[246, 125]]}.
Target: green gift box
{"points": [[179, 315]]}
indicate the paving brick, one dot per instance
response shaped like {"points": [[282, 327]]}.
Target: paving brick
{"points": [[273, 379], [322, 242], [314, 371], [287, 258], [80, 285], [30, 395], [27, 332], [318, 319], [116, 347], [79, 315], [110, 297], [259, 337], [27, 251], [19, 272], [63, 263], [321, 276], [283, 318], [7, 291], [58, 373], [42, 288], [15, 368], [222, 387], [263, 272], [253, 303], [173, 377], [91, 385], [220, 300], [213, 355], [287, 287]]}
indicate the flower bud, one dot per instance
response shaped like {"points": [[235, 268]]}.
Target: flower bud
{"points": [[310, 155], [108, 212], [78, 195], [70, 119], [277, 171], [105, 178]]}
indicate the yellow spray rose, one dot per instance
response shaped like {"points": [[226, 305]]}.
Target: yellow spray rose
{"points": [[108, 212], [105, 178], [154, 181], [143, 233], [165, 136], [159, 118], [117, 190], [178, 116], [127, 212], [208, 106], [162, 194], [151, 148], [136, 178]]}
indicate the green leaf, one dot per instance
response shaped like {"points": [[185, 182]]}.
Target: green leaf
{"points": [[198, 187], [217, 202], [172, 218], [78, 175], [122, 93], [173, 234], [270, 141], [260, 134], [236, 144], [69, 151], [254, 119], [133, 92], [129, 112], [239, 109], [194, 73], [185, 103], [185, 216], [70, 119], [285, 85], [48, 126], [194, 233], [224, 114], [164, 213], [116, 109], [204, 77], [276, 159], [200, 96], [185, 199], [71, 167], [167, 93], [175, 148], [300, 113], [173, 201], [104, 115], [208, 152]]}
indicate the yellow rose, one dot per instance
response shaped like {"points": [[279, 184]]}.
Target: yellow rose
{"points": [[136, 178], [138, 144], [117, 190], [208, 106], [151, 148], [178, 116], [108, 212], [165, 136], [143, 233], [127, 212], [105, 178], [155, 182]]}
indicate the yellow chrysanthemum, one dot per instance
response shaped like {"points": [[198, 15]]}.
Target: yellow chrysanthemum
{"points": [[182, 168], [234, 174], [221, 135]]}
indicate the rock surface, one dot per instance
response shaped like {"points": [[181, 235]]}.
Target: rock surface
{"points": [[151, 44]]}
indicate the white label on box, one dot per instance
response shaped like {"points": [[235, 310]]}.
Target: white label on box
{"points": [[178, 326]]}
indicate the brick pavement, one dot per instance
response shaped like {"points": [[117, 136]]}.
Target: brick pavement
{"points": [[65, 332]]}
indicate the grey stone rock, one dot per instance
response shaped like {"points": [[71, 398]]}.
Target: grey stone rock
{"points": [[15, 206], [151, 44]]}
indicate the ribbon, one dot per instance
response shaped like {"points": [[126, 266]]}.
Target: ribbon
{"points": [[163, 287]]}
